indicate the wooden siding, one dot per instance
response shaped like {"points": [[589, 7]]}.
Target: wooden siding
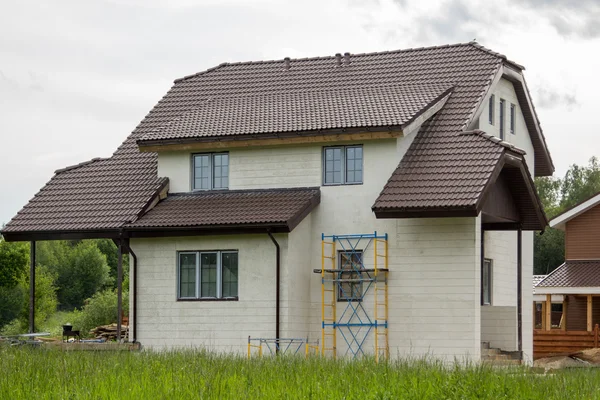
{"points": [[556, 342], [582, 237], [577, 312]]}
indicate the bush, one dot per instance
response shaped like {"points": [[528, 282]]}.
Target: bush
{"points": [[100, 309], [11, 302]]}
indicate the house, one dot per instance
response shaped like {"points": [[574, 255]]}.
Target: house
{"points": [[575, 285], [403, 178]]}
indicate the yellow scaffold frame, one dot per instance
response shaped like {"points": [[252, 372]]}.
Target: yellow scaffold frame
{"points": [[374, 279]]}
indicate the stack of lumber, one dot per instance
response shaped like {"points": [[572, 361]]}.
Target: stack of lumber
{"points": [[108, 332]]}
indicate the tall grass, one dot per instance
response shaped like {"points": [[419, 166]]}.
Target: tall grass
{"points": [[51, 374]]}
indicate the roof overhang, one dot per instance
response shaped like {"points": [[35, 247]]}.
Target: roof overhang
{"points": [[560, 221], [575, 290], [522, 190]]}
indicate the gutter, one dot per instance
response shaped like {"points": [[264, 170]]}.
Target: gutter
{"points": [[277, 289]]}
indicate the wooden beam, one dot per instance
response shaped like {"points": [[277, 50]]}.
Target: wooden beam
{"points": [[563, 319], [589, 313], [294, 140], [32, 287], [548, 312], [543, 315], [534, 313]]}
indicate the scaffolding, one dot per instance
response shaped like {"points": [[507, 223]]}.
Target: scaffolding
{"points": [[347, 281], [281, 346]]}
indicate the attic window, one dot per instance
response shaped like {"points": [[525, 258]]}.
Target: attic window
{"points": [[513, 116], [491, 106], [501, 115]]}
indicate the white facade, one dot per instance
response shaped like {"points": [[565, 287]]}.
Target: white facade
{"points": [[435, 263]]}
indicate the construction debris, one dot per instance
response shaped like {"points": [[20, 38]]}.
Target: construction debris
{"points": [[109, 332]]}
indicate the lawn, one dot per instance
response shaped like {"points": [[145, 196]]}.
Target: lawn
{"points": [[27, 373]]}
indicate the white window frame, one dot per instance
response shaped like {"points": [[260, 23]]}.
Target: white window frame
{"points": [[344, 166], [492, 109], [211, 166], [484, 301], [502, 118], [219, 282], [513, 119]]}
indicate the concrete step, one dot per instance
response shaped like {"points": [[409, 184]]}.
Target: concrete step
{"points": [[485, 345], [502, 362], [490, 352]]}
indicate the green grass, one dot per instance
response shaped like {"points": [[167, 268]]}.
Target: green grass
{"points": [[27, 373]]}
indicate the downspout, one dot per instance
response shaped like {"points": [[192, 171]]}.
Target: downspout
{"points": [[520, 292], [277, 288]]}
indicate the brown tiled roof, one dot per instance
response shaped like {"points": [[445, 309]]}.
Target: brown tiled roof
{"points": [[581, 273], [301, 111], [537, 279], [284, 207], [443, 170], [106, 194]]}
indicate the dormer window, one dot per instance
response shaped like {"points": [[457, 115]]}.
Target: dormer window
{"points": [[501, 115], [491, 106], [513, 117], [210, 171]]}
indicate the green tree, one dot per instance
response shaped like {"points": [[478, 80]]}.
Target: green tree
{"points": [[557, 195], [80, 268], [109, 249], [14, 259]]}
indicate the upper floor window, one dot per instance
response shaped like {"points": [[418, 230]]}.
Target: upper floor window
{"points": [[501, 115], [207, 274], [342, 165], [210, 171], [513, 117], [491, 107]]}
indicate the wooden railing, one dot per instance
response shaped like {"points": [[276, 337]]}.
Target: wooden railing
{"points": [[559, 342]]}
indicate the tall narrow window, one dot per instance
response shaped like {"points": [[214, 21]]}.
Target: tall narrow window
{"points": [[491, 107], [207, 275], [210, 171], [501, 115], [342, 165], [486, 282], [350, 288], [513, 117]]}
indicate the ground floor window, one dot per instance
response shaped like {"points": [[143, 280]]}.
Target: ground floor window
{"points": [[207, 274], [486, 282]]}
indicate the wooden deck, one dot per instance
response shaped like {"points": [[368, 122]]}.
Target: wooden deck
{"points": [[561, 342]]}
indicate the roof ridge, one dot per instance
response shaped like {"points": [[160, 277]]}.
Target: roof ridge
{"points": [[494, 140], [552, 273], [81, 164], [496, 54], [373, 53]]}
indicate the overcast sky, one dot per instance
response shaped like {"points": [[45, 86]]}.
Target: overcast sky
{"points": [[76, 77]]}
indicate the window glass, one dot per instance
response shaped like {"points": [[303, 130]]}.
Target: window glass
{"points": [[208, 275], [202, 172], [491, 106], [354, 164], [486, 282], [513, 112], [333, 165], [187, 275], [229, 274], [221, 171], [501, 115], [351, 289]]}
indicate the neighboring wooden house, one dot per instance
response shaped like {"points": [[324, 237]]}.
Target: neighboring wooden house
{"points": [[416, 163], [576, 284]]}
